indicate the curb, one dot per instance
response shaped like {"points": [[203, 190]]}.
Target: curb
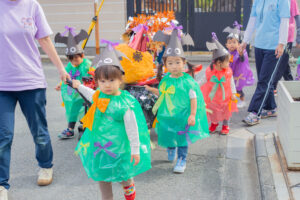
{"points": [[240, 169], [267, 186]]}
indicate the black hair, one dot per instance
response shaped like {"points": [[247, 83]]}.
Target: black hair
{"points": [[221, 59], [70, 57], [108, 72], [230, 38], [191, 68]]}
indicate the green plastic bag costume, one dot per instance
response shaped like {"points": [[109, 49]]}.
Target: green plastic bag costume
{"points": [[174, 108], [105, 150], [72, 100]]}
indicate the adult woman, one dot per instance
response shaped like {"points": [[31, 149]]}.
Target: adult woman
{"points": [[270, 20], [284, 69], [22, 80]]}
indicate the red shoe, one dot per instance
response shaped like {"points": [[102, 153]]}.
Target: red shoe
{"points": [[213, 127], [130, 197], [225, 130]]}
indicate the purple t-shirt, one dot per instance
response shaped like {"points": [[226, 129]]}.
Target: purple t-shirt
{"points": [[21, 23]]}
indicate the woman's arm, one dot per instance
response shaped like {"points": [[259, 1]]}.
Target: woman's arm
{"points": [[49, 49], [283, 36], [249, 30]]}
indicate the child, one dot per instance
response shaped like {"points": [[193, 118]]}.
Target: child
{"points": [[77, 68], [180, 108], [219, 90], [116, 130], [239, 63]]}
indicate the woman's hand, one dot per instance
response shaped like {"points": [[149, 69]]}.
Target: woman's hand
{"points": [[279, 50], [76, 84], [64, 75], [50, 50], [240, 50], [242, 47], [191, 120], [136, 158], [58, 87]]}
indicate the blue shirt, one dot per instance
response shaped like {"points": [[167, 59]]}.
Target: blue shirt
{"points": [[268, 14]]}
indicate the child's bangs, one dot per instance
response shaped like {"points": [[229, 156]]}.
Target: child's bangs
{"points": [[108, 72]]}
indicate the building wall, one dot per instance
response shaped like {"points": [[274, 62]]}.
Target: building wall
{"points": [[79, 13]]}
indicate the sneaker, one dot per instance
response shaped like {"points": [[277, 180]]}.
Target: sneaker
{"points": [[268, 113], [180, 166], [66, 134], [251, 119], [171, 154], [241, 104], [213, 127], [3, 193], [45, 176], [225, 130]]}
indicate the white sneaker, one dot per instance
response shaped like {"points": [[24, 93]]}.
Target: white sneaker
{"points": [[241, 104], [45, 176], [3, 193]]}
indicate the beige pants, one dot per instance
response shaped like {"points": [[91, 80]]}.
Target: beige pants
{"points": [[106, 188]]}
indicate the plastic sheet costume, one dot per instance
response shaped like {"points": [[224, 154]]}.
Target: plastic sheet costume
{"points": [[174, 105]]}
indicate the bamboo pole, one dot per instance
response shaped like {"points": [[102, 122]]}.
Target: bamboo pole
{"points": [[92, 25], [97, 35]]}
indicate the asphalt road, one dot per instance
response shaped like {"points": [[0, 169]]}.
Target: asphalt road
{"points": [[203, 179]]}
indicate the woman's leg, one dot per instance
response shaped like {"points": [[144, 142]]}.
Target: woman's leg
{"points": [[265, 64], [106, 190], [8, 103], [33, 106]]}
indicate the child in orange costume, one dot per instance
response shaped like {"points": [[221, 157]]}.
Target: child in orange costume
{"points": [[219, 89]]}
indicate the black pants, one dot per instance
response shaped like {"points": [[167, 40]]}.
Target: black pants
{"points": [[265, 65]]}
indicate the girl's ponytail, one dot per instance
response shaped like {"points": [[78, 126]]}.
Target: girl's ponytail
{"points": [[159, 72], [191, 68], [211, 65]]}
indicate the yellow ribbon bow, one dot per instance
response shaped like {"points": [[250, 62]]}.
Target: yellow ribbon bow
{"points": [[165, 94], [101, 104], [233, 101], [84, 147], [237, 79]]}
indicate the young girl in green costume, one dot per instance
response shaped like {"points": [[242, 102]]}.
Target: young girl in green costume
{"points": [[116, 145], [77, 68], [181, 112]]}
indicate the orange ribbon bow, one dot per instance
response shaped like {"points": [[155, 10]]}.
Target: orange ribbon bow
{"points": [[101, 104], [231, 59]]}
